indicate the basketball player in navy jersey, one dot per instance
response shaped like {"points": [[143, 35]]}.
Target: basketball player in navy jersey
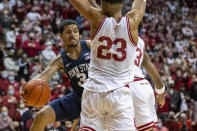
{"points": [[73, 60]]}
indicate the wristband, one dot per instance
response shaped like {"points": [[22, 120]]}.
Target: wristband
{"points": [[160, 91]]}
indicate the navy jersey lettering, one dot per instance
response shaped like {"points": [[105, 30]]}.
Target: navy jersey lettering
{"points": [[77, 70]]}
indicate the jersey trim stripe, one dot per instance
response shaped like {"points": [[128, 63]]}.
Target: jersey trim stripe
{"points": [[145, 125], [129, 32], [98, 29], [86, 128]]}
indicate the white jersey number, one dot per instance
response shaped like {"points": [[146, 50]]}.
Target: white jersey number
{"points": [[82, 79]]}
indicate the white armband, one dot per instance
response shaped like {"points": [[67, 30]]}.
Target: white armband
{"points": [[160, 91], [144, 0]]}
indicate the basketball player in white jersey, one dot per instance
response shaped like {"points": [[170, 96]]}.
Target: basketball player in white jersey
{"points": [[107, 102], [142, 92]]}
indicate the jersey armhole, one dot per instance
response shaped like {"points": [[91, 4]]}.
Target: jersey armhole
{"points": [[98, 28], [129, 32], [63, 57]]}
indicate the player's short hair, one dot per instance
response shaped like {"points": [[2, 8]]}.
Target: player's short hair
{"points": [[113, 1], [65, 23]]}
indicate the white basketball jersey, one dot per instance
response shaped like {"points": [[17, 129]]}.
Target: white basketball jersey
{"points": [[112, 56], [139, 58]]}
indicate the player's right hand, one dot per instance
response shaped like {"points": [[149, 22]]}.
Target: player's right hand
{"points": [[160, 100]]}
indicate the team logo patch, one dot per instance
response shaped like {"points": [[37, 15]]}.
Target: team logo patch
{"points": [[87, 56]]}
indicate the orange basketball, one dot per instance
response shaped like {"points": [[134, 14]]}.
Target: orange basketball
{"points": [[36, 93]]}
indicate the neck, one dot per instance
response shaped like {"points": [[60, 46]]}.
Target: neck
{"points": [[117, 15], [73, 49], [113, 10]]}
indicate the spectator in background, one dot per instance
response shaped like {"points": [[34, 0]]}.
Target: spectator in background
{"points": [[24, 67], [184, 123], [13, 82], [4, 82], [30, 46], [160, 126], [175, 100], [48, 54], [10, 63], [170, 123], [11, 102], [5, 20], [20, 38], [193, 95], [33, 15], [1, 60], [11, 36], [5, 120]]}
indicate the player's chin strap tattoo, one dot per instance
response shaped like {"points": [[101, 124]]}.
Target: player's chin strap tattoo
{"points": [[160, 91]]}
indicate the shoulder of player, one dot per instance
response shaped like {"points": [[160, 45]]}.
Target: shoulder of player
{"points": [[97, 16], [130, 15], [88, 43]]}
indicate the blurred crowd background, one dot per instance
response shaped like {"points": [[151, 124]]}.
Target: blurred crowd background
{"points": [[29, 40]]}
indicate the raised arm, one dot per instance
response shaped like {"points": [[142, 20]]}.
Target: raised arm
{"points": [[55, 65], [153, 73], [137, 11], [93, 15], [94, 4]]}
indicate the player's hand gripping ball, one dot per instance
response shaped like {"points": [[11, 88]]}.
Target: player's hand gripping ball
{"points": [[36, 93]]}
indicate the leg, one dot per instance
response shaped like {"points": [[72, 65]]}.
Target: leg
{"points": [[91, 116], [144, 101], [45, 116], [61, 109], [120, 114]]}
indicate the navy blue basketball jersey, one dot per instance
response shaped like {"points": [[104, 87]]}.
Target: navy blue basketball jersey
{"points": [[77, 70]]}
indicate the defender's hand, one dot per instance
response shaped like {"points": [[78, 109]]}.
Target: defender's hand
{"points": [[160, 100]]}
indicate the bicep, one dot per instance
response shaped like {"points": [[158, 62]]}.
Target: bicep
{"points": [[137, 11]]}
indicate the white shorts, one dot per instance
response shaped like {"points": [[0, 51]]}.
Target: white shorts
{"points": [[144, 104], [107, 111]]}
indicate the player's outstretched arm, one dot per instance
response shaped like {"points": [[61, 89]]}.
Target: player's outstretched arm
{"points": [[153, 73], [137, 11], [54, 65], [94, 4], [93, 15]]}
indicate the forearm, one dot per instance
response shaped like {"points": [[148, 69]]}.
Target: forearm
{"points": [[94, 4], [46, 75], [139, 7], [153, 73], [51, 69]]}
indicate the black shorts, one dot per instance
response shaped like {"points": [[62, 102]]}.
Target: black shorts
{"points": [[67, 107]]}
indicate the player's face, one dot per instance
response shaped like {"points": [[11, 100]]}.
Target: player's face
{"points": [[70, 35]]}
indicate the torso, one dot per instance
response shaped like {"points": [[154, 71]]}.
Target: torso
{"points": [[112, 56], [139, 58], [77, 69]]}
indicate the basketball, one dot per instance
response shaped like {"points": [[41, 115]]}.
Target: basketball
{"points": [[36, 93]]}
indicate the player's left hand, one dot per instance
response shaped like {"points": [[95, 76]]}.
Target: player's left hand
{"points": [[160, 100]]}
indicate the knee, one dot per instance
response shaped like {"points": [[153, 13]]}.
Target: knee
{"points": [[45, 116], [41, 116]]}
